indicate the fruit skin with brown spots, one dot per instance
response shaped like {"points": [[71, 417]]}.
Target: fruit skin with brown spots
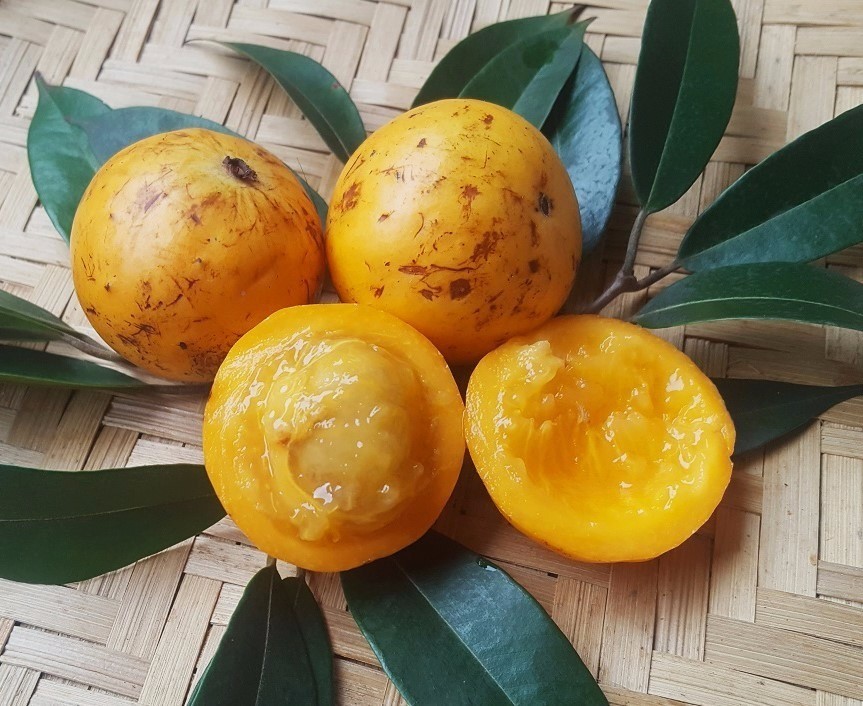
{"points": [[184, 241], [459, 218]]}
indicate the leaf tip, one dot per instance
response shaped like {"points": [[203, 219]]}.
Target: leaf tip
{"points": [[576, 12]]}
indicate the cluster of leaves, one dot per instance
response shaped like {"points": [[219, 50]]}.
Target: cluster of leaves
{"points": [[445, 623]]}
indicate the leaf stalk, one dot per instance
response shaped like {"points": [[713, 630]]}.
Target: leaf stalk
{"points": [[625, 280]]}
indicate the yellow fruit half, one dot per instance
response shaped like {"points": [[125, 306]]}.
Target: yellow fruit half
{"points": [[598, 439], [333, 435]]}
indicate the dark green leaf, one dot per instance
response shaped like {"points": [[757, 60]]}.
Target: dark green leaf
{"points": [[770, 290], [61, 161], [764, 410], [684, 91], [274, 651], [799, 204], [110, 132], [22, 320], [31, 367], [61, 526], [584, 129], [466, 59], [528, 76], [451, 628], [317, 93], [315, 636]]}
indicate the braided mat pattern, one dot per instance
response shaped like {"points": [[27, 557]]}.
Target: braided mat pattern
{"points": [[762, 606]]}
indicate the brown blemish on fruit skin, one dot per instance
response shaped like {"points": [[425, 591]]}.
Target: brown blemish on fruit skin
{"points": [[545, 204], [89, 268], [459, 288], [351, 198], [534, 266], [486, 247], [514, 195], [378, 291], [384, 216], [468, 193], [488, 120], [357, 163], [534, 234], [422, 143], [414, 270]]}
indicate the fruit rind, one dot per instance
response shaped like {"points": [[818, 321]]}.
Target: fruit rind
{"points": [[185, 240], [459, 218]]}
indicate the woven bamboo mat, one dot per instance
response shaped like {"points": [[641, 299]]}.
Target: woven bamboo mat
{"points": [[763, 606]]}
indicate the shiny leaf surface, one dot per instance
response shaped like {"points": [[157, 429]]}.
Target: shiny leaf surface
{"points": [[323, 100], [62, 526], [764, 410], [528, 76], [467, 58], [584, 129], [21, 320], [275, 649], [684, 91], [32, 367], [799, 204], [61, 160], [759, 291], [451, 628]]}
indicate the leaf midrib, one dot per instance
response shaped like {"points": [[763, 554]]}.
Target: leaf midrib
{"points": [[666, 142], [120, 511], [312, 107], [711, 300], [273, 574], [779, 214]]}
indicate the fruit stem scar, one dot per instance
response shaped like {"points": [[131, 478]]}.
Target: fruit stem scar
{"points": [[236, 167], [544, 204]]}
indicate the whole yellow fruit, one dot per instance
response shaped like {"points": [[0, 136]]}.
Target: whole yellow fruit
{"points": [[184, 241], [459, 218]]}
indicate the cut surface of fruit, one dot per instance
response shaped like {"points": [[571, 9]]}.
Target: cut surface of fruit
{"points": [[599, 439], [333, 435]]}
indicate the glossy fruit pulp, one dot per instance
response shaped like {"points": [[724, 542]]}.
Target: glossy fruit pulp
{"points": [[599, 439]]}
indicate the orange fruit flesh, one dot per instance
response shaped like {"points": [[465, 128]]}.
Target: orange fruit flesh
{"points": [[333, 435], [599, 439]]}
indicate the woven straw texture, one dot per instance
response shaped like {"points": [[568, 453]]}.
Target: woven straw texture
{"points": [[763, 606]]}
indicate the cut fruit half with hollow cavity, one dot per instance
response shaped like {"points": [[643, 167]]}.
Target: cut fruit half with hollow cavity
{"points": [[598, 439]]}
